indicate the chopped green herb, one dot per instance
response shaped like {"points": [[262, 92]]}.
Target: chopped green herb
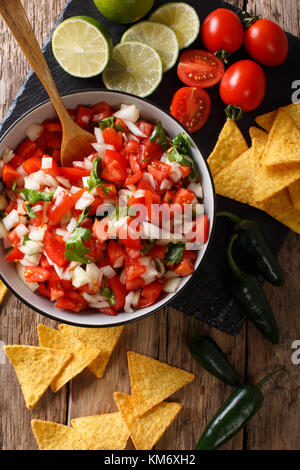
{"points": [[30, 211], [75, 248], [107, 122], [145, 159], [2, 214], [118, 127], [186, 160], [108, 293], [82, 216], [14, 187], [182, 143], [159, 136], [34, 196], [149, 245], [25, 239], [94, 180], [175, 253]]}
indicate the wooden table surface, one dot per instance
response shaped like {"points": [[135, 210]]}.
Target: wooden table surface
{"points": [[164, 335]]}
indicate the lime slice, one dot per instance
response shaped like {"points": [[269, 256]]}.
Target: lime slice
{"points": [[82, 46], [182, 18], [124, 11], [156, 35], [135, 68]]}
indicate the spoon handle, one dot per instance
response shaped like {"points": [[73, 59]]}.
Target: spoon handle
{"points": [[16, 19]]}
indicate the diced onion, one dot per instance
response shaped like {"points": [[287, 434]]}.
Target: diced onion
{"points": [[79, 277], [86, 200], [64, 181], [34, 131], [71, 225], [170, 275], [63, 233], [108, 271], [148, 178], [11, 219], [172, 285], [37, 208], [74, 189], [99, 135], [134, 129], [122, 277], [21, 230], [165, 185], [34, 260], [196, 188], [47, 163], [30, 183], [131, 300], [31, 248], [100, 149], [128, 113], [37, 234], [119, 262]]}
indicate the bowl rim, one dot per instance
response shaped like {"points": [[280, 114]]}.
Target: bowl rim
{"points": [[213, 222]]}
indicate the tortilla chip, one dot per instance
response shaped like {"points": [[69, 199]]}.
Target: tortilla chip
{"points": [[102, 432], [269, 181], [281, 208], [294, 191], [153, 381], [146, 430], [230, 145], [83, 354], [36, 368], [284, 142], [3, 290], [256, 133], [236, 179], [53, 436], [105, 339], [266, 120]]}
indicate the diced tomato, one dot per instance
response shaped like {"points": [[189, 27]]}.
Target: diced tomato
{"points": [[53, 139], [94, 206], [14, 238], [158, 251], [126, 239], [134, 269], [169, 197], [112, 155], [185, 267], [95, 247], [132, 253], [108, 311], [26, 148], [9, 175], [55, 248], [84, 116], [74, 174], [52, 126], [32, 165], [101, 111], [119, 123], [135, 284], [112, 137], [134, 164], [65, 304], [183, 196], [62, 204], [55, 289], [201, 231], [44, 262], [114, 172], [119, 292], [44, 290], [114, 251], [38, 153], [37, 221], [145, 127], [150, 151], [133, 179], [79, 302], [152, 203], [72, 113], [150, 294], [111, 193], [17, 161], [56, 155], [159, 170], [100, 229], [185, 170], [131, 147], [14, 255], [11, 206], [36, 274]]}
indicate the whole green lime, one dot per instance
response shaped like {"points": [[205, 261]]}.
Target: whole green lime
{"points": [[124, 11]]}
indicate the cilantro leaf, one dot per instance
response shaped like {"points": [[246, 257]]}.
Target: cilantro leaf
{"points": [[186, 160], [34, 196], [82, 216], [30, 211], [118, 127], [175, 253], [147, 247], [158, 135], [94, 180], [108, 293], [182, 143], [25, 239], [75, 248], [106, 122]]}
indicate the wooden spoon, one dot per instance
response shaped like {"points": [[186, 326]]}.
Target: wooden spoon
{"points": [[76, 142]]}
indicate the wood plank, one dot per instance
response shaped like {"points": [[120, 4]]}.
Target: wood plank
{"points": [[17, 322], [277, 424]]}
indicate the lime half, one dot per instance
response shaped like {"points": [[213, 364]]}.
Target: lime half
{"points": [[124, 11], [182, 18], [156, 35], [135, 68], [82, 46]]}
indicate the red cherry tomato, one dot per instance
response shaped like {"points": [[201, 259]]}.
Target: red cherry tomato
{"points": [[222, 29], [266, 42], [200, 68], [191, 106], [243, 85]]}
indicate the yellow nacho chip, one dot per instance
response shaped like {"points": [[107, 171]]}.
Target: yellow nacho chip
{"points": [[236, 179], [256, 133], [102, 432], [294, 191], [153, 381], [54, 436], [269, 181], [230, 145], [283, 145], [281, 208], [36, 368], [105, 339], [266, 120], [146, 430], [3, 290], [83, 354]]}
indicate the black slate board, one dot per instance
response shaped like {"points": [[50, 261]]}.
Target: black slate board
{"points": [[207, 292]]}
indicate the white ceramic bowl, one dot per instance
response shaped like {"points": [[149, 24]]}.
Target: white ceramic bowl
{"points": [[149, 111]]}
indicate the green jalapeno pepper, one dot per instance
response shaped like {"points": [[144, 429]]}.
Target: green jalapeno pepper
{"points": [[253, 243], [205, 351], [236, 412], [248, 292]]}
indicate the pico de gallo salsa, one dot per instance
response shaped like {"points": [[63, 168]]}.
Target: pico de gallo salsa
{"points": [[66, 246]]}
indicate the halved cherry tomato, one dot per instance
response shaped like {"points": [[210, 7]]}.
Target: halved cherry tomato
{"points": [[200, 68], [84, 116], [74, 174], [36, 274], [266, 42], [150, 294], [9, 175], [119, 292], [243, 85], [112, 137], [222, 30], [191, 106], [26, 148], [55, 248], [134, 269]]}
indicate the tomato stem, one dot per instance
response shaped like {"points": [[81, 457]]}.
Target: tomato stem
{"points": [[248, 19], [234, 112], [223, 55]]}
